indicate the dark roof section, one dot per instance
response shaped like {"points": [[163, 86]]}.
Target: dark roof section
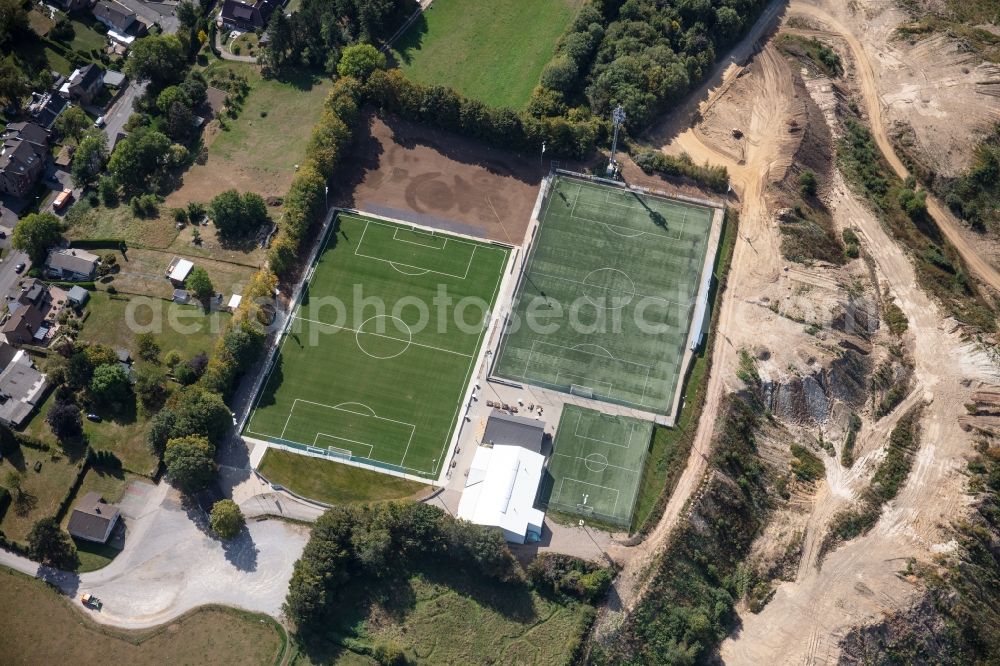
{"points": [[507, 429], [47, 109], [92, 517], [255, 15], [88, 76]]}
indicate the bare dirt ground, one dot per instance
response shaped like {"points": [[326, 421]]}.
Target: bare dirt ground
{"points": [[441, 180], [931, 88], [860, 580]]}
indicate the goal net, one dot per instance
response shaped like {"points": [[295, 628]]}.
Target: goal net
{"points": [[582, 391], [338, 452]]}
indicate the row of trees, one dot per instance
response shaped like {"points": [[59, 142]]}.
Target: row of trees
{"points": [[306, 198], [369, 542], [714, 177], [316, 34]]}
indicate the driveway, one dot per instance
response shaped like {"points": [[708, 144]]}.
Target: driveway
{"points": [[121, 111]]}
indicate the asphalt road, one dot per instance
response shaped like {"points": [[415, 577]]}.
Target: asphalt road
{"points": [[118, 115], [10, 259]]}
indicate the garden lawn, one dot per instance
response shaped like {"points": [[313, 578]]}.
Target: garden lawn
{"points": [[45, 630], [44, 489], [333, 482], [490, 51]]}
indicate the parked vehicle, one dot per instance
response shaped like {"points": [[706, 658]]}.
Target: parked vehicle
{"points": [[19, 269], [90, 601], [99, 122], [64, 198], [96, 418]]}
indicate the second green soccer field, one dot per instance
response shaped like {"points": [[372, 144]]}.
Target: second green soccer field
{"points": [[605, 304], [375, 365]]}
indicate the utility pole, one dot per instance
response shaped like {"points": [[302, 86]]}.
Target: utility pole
{"points": [[617, 119]]}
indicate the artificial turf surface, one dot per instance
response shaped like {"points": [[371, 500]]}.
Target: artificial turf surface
{"points": [[490, 51], [605, 304], [596, 464], [375, 362]]}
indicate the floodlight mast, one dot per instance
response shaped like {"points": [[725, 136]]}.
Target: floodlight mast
{"points": [[617, 119]]}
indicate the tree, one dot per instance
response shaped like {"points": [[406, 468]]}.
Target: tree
{"points": [[149, 348], [13, 20], [360, 60], [170, 96], [90, 157], [72, 123], [151, 384], [110, 384], [36, 234], [161, 429], [189, 462], [226, 519], [64, 420], [49, 545], [138, 158], [199, 283], [13, 83], [236, 215], [156, 58], [201, 412], [807, 183]]}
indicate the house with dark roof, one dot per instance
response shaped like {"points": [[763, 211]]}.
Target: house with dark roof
{"points": [[21, 326], [46, 107], [32, 293], [123, 24], [93, 519], [71, 5], [509, 430], [84, 84], [239, 15], [22, 387], [72, 264], [24, 150]]}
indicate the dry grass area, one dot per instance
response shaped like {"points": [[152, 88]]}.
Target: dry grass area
{"points": [[143, 271], [39, 627], [259, 150]]}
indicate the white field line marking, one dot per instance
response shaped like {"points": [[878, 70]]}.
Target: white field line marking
{"points": [[577, 348], [611, 289], [394, 264], [419, 233], [630, 470], [611, 386], [576, 433], [381, 335], [371, 448], [373, 415], [562, 483]]}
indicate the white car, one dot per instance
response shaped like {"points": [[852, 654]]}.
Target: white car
{"points": [[99, 122]]}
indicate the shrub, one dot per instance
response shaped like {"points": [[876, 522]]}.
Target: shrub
{"points": [[807, 183], [226, 519]]}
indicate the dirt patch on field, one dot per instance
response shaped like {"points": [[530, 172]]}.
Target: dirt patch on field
{"points": [[439, 179]]}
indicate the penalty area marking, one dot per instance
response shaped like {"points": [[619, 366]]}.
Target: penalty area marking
{"points": [[396, 264]]}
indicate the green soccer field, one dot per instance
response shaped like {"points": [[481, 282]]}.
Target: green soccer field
{"points": [[375, 362], [605, 304], [596, 465]]}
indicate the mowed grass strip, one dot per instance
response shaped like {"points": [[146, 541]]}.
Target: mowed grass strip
{"points": [[617, 274], [39, 627], [382, 345], [332, 482], [597, 463], [490, 51]]}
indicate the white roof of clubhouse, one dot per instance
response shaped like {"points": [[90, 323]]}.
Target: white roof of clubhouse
{"points": [[179, 270], [500, 491]]}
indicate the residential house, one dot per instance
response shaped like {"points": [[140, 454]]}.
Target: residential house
{"points": [[22, 157], [123, 24], [72, 264], [22, 387], [46, 107], [32, 293], [93, 519], [22, 326], [71, 5], [84, 84], [239, 15]]}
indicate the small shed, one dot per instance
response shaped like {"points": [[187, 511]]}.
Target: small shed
{"points": [[78, 296], [114, 79], [178, 270], [234, 301]]}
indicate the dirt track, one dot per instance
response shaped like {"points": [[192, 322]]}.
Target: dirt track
{"points": [[425, 176], [866, 80]]}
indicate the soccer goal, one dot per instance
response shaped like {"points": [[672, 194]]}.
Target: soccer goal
{"points": [[582, 391]]}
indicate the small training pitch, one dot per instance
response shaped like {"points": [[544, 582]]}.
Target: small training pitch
{"points": [[606, 299], [596, 465], [374, 365]]}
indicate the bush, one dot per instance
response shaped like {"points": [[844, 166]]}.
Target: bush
{"points": [[564, 575], [226, 519], [807, 183], [715, 178]]}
